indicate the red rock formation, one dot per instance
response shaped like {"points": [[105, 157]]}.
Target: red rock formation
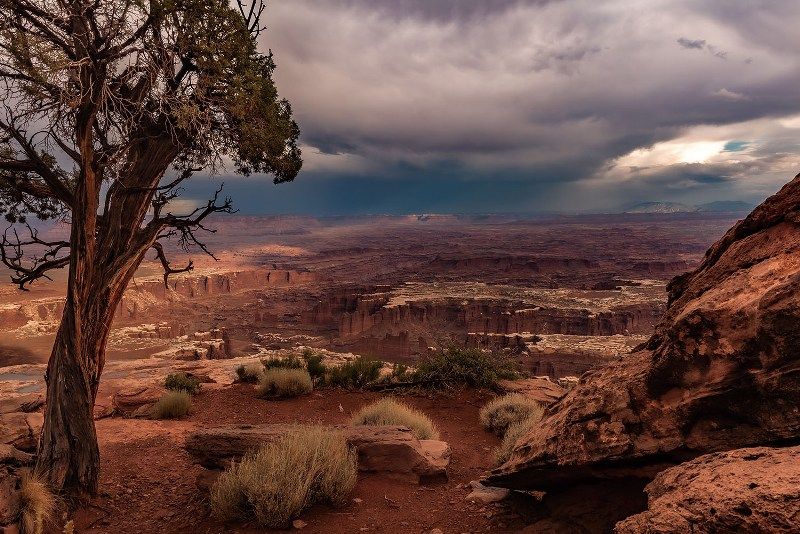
{"points": [[745, 490], [721, 372]]}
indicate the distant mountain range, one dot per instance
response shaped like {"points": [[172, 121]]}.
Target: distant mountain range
{"points": [[676, 207]]}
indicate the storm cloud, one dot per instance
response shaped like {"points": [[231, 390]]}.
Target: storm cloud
{"points": [[538, 101]]}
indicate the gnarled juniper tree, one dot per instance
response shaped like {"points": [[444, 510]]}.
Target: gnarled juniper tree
{"points": [[107, 107]]}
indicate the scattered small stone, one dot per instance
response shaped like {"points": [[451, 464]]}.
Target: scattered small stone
{"points": [[436, 531], [358, 500], [299, 524]]}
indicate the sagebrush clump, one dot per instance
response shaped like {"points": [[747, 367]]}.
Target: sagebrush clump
{"points": [[172, 404], [355, 373], [37, 504], [315, 366], [182, 382], [287, 362], [308, 466], [282, 383], [462, 367], [499, 414], [391, 412], [249, 374]]}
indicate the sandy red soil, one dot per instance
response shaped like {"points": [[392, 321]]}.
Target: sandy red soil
{"points": [[148, 484]]}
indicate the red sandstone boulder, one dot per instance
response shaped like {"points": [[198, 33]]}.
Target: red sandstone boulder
{"points": [[540, 389], [136, 402], [381, 449], [21, 430], [721, 372], [745, 490]]}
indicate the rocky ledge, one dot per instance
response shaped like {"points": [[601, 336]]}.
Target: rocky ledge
{"points": [[722, 371]]}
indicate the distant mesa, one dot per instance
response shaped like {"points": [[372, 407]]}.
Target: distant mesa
{"points": [[720, 206]]}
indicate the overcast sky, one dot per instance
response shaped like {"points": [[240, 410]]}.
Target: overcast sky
{"points": [[410, 106]]}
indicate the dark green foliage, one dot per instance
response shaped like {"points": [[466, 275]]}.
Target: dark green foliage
{"points": [[182, 382], [462, 367], [314, 365], [355, 373], [289, 362]]}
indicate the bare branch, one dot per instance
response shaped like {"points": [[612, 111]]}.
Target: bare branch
{"points": [[12, 254], [168, 270]]}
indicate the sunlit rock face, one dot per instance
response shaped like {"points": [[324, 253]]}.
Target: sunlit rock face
{"points": [[721, 372]]}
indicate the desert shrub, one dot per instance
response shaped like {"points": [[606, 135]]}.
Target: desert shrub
{"points": [[288, 362], [37, 504], [400, 372], [314, 365], [457, 367], [355, 373], [249, 374], [513, 433], [308, 466], [391, 412], [284, 383], [172, 404], [182, 382], [499, 414]]}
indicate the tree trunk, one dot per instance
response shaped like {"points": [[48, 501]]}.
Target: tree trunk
{"points": [[68, 454]]}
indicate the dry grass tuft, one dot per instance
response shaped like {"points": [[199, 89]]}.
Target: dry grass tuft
{"points": [[308, 466], [513, 434], [37, 505], [391, 412], [172, 404], [283, 383], [499, 414]]}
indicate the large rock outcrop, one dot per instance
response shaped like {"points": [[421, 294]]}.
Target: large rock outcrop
{"points": [[746, 490], [721, 372]]}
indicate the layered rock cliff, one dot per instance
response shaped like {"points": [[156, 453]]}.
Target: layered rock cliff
{"points": [[721, 372]]}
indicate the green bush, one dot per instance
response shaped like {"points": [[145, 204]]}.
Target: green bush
{"points": [[288, 362], [513, 434], [249, 374], [284, 383], [172, 404], [400, 372], [391, 412], [355, 373], [461, 367], [275, 484], [182, 382], [314, 365], [499, 414]]}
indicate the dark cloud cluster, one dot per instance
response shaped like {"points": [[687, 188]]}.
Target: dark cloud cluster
{"points": [[533, 99]]}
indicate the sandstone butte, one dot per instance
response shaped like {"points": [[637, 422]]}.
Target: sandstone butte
{"points": [[721, 372]]}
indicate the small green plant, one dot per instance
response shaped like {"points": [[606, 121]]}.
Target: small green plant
{"points": [[172, 405], [314, 365], [400, 372], [499, 414], [308, 466], [249, 374], [182, 382], [513, 434], [355, 373], [288, 362], [37, 504], [391, 412], [284, 383], [462, 367]]}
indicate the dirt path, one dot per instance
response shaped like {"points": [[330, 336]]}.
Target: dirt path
{"points": [[148, 484]]}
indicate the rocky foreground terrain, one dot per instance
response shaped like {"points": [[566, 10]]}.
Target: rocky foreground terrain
{"points": [[721, 374], [685, 418]]}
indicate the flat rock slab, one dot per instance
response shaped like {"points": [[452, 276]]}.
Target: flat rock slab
{"points": [[135, 402], [30, 402], [540, 389], [21, 430], [744, 490], [381, 449]]}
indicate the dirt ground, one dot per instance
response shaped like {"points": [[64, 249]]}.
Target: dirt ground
{"points": [[149, 485]]}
